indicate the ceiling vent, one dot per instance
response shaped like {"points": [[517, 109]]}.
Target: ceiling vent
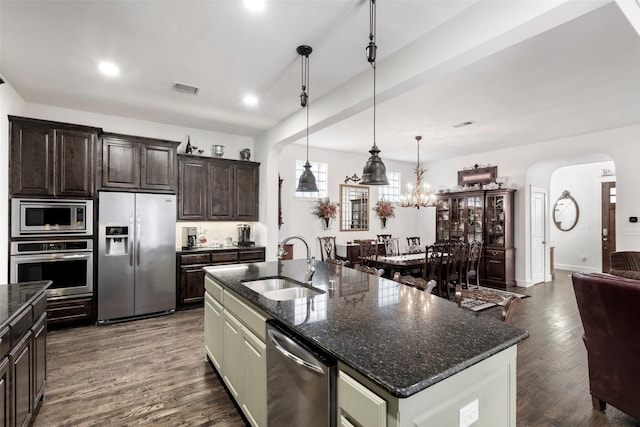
{"points": [[463, 124], [183, 88]]}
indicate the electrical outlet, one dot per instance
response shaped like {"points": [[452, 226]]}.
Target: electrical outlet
{"points": [[469, 414]]}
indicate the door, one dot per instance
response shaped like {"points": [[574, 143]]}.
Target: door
{"points": [[538, 243], [155, 251], [120, 163], [158, 167], [220, 196], [74, 163], [608, 223], [31, 159], [192, 191], [115, 261]]}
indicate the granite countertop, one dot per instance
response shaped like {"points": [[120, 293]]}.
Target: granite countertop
{"points": [[14, 296], [212, 249], [399, 337]]}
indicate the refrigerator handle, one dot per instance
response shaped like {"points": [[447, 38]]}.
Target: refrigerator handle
{"points": [[138, 240], [131, 241]]}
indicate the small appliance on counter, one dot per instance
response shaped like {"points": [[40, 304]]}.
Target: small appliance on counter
{"points": [[244, 235], [189, 237]]}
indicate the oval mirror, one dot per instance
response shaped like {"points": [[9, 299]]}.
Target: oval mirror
{"points": [[566, 212], [354, 207]]}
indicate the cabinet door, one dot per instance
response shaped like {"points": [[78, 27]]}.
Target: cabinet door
{"points": [[5, 402], [254, 389], [213, 330], [191, 284], [247, 187], [158, 167], [21, 365], [474, 215], [74, 163], [231, 355], [192, 189], [120, 163], [220, 197], [39, 357], [32, 152]]}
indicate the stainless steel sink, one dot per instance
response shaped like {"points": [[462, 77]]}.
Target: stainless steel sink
{"points": [[280, 288]]}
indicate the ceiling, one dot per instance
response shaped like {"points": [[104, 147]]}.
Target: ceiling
{"points": [[525, 72]]}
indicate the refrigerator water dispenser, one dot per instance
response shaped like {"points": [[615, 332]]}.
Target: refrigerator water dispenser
{"points": [[117, 239]]}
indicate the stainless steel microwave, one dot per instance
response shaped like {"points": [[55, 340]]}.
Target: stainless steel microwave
{"points": [[49, 217]]}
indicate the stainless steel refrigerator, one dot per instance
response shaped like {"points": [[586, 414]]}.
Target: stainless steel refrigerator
{"points": [[136, 255]]}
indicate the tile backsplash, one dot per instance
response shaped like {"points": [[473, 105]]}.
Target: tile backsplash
{"points": [[214, 231]]}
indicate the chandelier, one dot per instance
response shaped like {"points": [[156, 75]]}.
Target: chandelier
{"points": [[420, 195]]}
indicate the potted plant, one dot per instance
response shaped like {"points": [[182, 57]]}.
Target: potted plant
{"points": [[384, 210], [326, 211]]}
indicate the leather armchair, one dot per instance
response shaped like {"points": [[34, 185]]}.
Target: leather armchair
{"points": [[625, 264], [608, 307]]}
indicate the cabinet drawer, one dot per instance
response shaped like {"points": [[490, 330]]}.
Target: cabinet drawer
{"points": [[20, 325], [257, 255], [360, 404], [251, 318], [5, 345], [494, 253], [219, 257], [213, 288], [195, 259], [39, 306]]}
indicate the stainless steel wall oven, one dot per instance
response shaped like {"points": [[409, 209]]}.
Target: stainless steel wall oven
{"points": [[68, 263]]}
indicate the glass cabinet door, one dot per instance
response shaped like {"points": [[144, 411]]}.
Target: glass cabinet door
{"points": [[495, 220], [457, 218], [442, 219], [474, 216]]}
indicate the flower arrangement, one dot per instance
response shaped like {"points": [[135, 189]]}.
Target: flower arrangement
{"points": [[384, 209], [324, 208]]}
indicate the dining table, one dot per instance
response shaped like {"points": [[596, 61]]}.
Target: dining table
{"points": [[406, 263]]}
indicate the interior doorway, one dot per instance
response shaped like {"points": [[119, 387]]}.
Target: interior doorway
{"points": [[538, 242], [608, 222]]}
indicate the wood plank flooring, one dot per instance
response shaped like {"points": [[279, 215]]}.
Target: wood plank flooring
{"points": [[153, 371]]}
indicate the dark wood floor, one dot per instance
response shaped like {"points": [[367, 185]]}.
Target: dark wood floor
{"points": [[153, 371]]}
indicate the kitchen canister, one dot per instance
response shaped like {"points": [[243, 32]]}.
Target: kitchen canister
{"points": [[218, 150]]}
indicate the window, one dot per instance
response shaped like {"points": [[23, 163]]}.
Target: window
{"points": [[391, 192], [320, 172]]}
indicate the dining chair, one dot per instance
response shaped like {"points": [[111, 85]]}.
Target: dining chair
{"points": [[472, 271], [392, 246], [509, 304], [368, 251], [413, 241], [432, 270], [383, 237], [454, 267], [416, 282], [327, 247]]}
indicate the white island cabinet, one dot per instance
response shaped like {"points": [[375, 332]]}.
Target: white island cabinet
{"points": [[234, 336], [397, 366]]}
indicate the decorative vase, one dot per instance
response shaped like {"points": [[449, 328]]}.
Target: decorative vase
{"points": [[384, 222], [326, 223]]}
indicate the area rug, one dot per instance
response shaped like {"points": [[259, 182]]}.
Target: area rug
{"points": [[477, 305]]}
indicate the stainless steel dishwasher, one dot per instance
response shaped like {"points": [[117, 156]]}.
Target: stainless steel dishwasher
{"points": [[300, 381]]}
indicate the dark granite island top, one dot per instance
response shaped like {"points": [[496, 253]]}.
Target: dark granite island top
{"points": [[14, 296], [398, 337]]}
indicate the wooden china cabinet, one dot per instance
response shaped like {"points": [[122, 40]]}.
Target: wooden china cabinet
{"points": [[486, 215]]}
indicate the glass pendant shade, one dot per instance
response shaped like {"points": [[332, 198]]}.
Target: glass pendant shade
{"points": [[307, 180], [374, 171]]}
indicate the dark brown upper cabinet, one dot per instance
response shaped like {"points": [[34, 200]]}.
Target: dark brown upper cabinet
{"points": [[217, 189], [51, 158], [138, 164]]}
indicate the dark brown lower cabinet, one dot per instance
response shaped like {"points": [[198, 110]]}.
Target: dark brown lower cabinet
{"points": [[23, 364], [190, 280], [498, 268], [70, 311]]}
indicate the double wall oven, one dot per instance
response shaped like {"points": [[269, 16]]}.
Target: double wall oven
{"points": [[51, 239]]}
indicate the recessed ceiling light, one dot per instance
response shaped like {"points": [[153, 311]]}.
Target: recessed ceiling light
{"points": [[254, 4], [109, 69], [250, 100]]}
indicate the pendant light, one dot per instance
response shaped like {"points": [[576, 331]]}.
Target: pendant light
{"points": [[307, 182], [374, 171]]}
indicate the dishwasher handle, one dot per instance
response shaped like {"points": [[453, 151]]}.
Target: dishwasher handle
{"points": [[273, 337]]}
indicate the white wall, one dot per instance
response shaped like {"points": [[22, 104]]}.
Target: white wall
{"points": [[579, 249], [299, 220], [10, 104]]}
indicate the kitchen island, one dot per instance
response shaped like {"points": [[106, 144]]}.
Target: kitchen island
{"points": [[404, 357], [23, 330]]}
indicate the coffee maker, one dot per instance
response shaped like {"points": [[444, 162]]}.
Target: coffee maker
{"points": [[244, 235], [189, 237]]}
